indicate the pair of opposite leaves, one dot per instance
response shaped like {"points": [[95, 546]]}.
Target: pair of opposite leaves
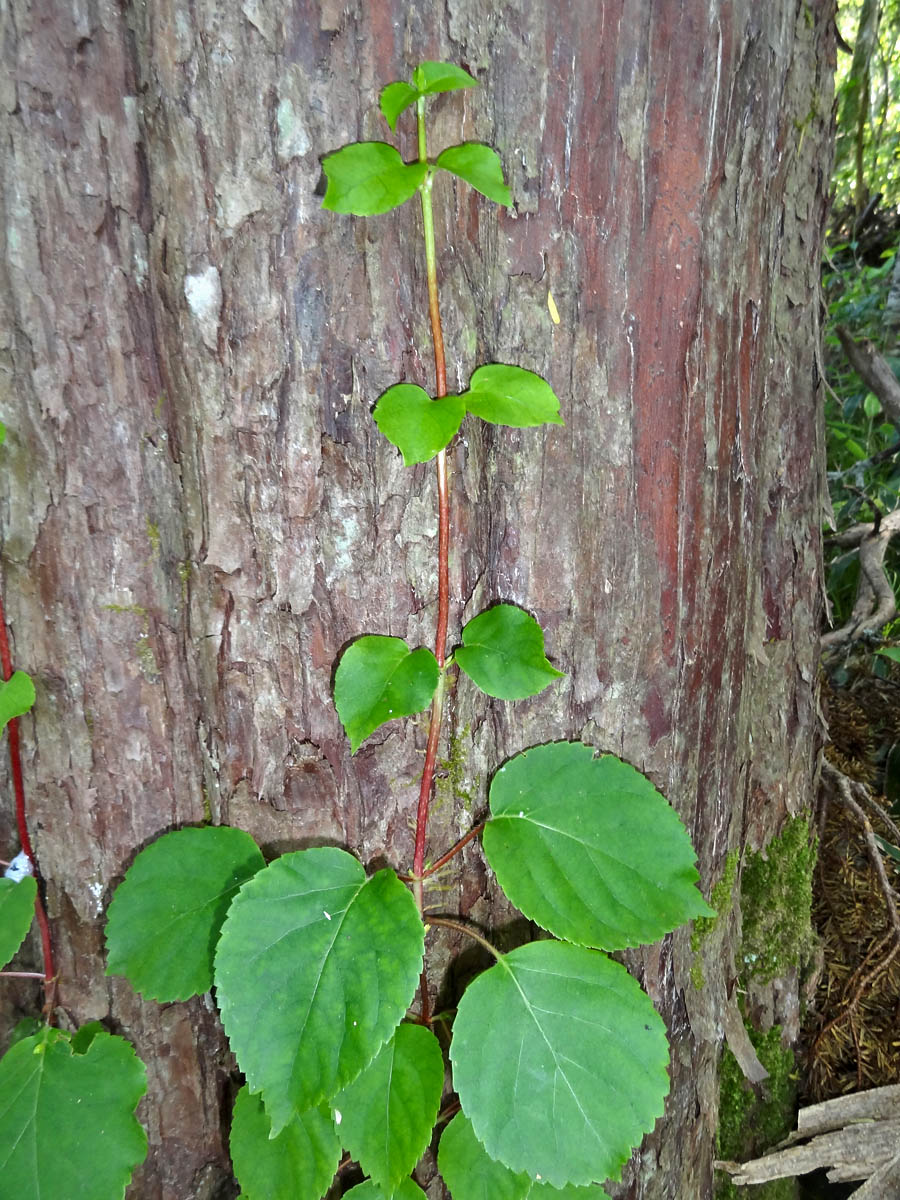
{"points": [[367, 178]]}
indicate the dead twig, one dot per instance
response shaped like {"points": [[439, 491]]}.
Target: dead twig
{"points": [[875, 603]]}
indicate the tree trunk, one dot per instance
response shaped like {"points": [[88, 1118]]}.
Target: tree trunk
{"points": [[198, 511]]}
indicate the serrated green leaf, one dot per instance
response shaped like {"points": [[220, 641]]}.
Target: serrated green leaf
{"points": [[298, 1164], [588, 848], [367, 178], [503, 653], [388, 1112], [165, 917], [469, 1172], [559, 1060], [67, 1124], [430, 77], [379, 679], [16, 913], [315, 968], [395, 99], [16, 696], [480, 167], [370, 1190], [512, 396], [417, 425]]}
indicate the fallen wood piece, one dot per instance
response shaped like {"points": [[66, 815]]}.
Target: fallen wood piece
{"points": [[881, 1103], [852, 1137], [884, 1184]]}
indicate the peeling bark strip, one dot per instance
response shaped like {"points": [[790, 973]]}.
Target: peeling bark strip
{"points": [[198, 511]]}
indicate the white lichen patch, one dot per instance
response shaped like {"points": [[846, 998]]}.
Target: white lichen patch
{"points": [[203, 292], [293, 139], [239, 195]]}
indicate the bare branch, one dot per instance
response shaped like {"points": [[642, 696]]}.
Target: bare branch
{"points": [[876, 603], [875, 371]]}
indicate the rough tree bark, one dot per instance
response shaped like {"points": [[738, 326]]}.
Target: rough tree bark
{"points": [[198, 511]]}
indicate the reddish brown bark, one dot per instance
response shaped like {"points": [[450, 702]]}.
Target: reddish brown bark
{"points": [[198, 511]]}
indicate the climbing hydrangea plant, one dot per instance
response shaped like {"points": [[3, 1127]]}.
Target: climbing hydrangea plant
{"points": [[558, 1058]]}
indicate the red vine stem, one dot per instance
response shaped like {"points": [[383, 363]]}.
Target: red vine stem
{"points": [[443, 487], [15, 764], [445, 858]]}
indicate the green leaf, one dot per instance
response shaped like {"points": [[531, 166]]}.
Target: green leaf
{"points": [[469, 1172], [430, 77], [371, 1191], [588, 848], [892, 652], [2, 433], [164, 920], [511, 396], [479, 166], [417, 425], [315, 968], [503, 653], [16, 696], [368, 178], [559, 1060], [27, 1027], [67, 1124], [378, 679], [871, 405], [388, 1112], [299, 1163], [889, 848], [82, 1038], [395, 99], [16, 913]]}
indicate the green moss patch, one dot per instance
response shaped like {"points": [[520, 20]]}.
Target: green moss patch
{"points": [[753, 1120], [776, 903]]}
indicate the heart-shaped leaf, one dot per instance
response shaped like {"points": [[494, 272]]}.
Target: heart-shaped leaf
{"points": [[395, 99], [368, 178], [16, 696], [298, 1164], [388, 1112], [164, 920], [559, 1060], [588, 848], [378, 679], [430, 77], [469, 1172], [480, 167], [67, 1123], [315, 968], [417, 425], [503, 653], [513, 396], [16, 913]]}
